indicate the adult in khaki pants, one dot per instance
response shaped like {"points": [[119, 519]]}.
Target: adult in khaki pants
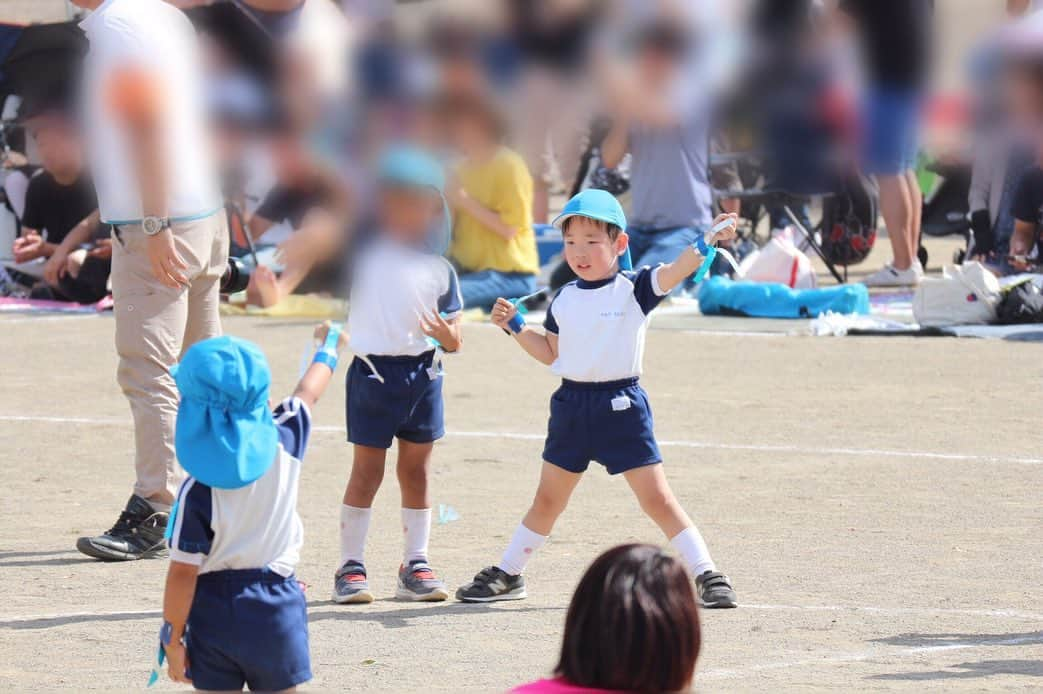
{"points": [[157, 187]]}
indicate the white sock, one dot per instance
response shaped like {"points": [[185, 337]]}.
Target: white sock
{"points": [[354, 525], [159, 507], [523, 545], [689, 543], [416, 526]]}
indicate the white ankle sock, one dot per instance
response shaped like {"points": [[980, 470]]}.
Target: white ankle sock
{"points": [[689, 543], [523, 545], [416, 527], [354, 525], [159, 507]]}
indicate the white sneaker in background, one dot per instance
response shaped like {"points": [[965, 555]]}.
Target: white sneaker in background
{"points": [[918, 266], [888, 276]]}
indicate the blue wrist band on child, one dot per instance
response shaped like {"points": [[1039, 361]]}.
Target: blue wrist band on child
{"points": [[327, 354], [701, 246], [711, 254], [516, 323]]}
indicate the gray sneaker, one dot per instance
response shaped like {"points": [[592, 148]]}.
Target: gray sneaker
{"points": [[417, 582], [715, 590], [350, 585]]}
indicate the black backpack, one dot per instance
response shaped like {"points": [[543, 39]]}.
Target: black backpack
{"points": [[1022, 303], [849, 220]]}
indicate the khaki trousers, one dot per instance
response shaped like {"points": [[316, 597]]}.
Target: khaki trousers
{"points": [[155, 324]]}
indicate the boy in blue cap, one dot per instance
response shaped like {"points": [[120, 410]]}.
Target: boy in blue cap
{"points": [[594, 339], [403, 314], [233, 610]]}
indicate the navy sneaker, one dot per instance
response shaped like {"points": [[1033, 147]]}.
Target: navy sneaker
{"points": [[491, 584], [417, 582], [350, 584], [138, 534], [715, 590]]}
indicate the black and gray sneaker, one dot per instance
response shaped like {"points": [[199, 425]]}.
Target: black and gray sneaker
{"points": [[491, 584], [715, 590], [350, 585], [417, 582], [138, 534]]}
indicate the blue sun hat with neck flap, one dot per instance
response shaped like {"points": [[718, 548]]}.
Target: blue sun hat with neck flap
{"points": [[601, 206], [225, 435], [412, 167]]}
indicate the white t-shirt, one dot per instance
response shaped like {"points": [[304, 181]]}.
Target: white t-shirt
{"points": [[255, 526], [393, 287], [601, 325], [157, 37]]}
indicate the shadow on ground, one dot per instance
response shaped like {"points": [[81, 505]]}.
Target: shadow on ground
{"points": [[966, 671]]}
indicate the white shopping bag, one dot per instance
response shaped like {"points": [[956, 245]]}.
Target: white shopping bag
{"points": [[780, 261], [966, 294]]}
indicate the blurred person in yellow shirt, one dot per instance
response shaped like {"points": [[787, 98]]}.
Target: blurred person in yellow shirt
{"points": [[491, 193]]}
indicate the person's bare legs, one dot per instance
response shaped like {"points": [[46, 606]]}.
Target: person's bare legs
{"points": [[552, 496], [367, 474], [896, 207], [414, 464], [916, 208], [657, 499], [264, 289]]}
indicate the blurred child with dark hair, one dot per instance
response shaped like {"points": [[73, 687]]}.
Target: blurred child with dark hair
{"points": [[493, 239], [632, 626]]}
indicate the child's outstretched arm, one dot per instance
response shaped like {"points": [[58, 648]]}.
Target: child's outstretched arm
{"points": [[314, 381], [541, 347], [672, 274], [177, 603]]}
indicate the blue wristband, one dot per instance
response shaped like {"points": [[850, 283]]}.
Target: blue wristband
{"points": [[516, 323], [711, 254], [327, 354], [701, 246]]}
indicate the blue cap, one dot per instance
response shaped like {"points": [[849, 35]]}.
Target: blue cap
{"points": [[594, 204], [403, 165], [225, 435]]}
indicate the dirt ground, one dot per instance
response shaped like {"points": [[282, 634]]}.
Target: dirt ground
{"points": [[876, 502]]}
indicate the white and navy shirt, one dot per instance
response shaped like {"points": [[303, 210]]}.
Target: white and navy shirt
{"points": [[393, 287], [601, 325], [252, 527]]}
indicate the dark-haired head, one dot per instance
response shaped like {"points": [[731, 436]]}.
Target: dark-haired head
{"points": [[633, 624], [612, 230]]}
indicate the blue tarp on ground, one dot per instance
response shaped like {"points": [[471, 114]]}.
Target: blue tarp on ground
{"points": [[720, 296]]}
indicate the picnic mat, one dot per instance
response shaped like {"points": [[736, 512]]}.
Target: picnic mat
{"points": [[293, 306], [9, 304]]}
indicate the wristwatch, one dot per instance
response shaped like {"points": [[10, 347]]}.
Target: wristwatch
{"points": [[154, 225]]}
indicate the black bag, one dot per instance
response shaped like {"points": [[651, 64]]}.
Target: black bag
{"points": [[849, 222], [1022, 303]]}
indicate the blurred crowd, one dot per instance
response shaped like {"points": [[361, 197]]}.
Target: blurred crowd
{"points": [[681, 108]]}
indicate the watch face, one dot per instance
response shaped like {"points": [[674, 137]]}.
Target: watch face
{"points": [[153, 225]]}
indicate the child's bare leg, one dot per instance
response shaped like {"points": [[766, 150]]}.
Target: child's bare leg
{"points": [[659, 503], [552, 495], [657, 499], [367, 472], [414, 461]]}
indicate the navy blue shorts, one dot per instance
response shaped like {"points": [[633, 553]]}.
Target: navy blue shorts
{"points": [[407, 405], [248, 627], [609, 423]]}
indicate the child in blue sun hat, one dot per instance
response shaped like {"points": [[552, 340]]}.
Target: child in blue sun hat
{"points": [[594, 339], [233, 610], [404, 313]]}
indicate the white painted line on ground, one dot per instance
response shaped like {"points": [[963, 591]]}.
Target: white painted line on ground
{"points": [[709, 445], [874, 654]]}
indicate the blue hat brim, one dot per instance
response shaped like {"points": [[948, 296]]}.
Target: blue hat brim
{"points": [[223, 450]]}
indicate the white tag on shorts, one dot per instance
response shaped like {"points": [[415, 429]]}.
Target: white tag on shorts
{"points": [[621, 403]]}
